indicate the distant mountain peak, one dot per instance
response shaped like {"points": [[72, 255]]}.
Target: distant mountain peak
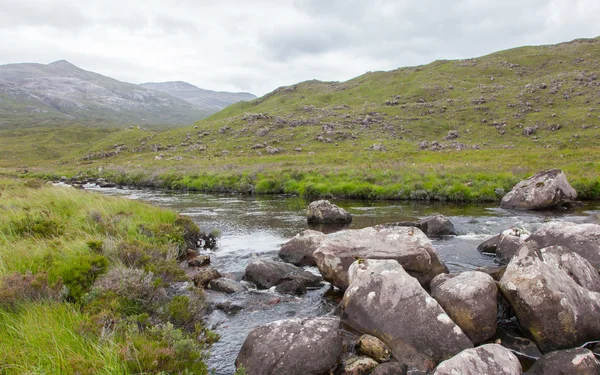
{"points": [[62, 63]]}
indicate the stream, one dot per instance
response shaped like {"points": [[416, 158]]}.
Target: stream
{"points": [[255, 226]]}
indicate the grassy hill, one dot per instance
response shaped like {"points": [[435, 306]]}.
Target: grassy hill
{"points": [[461, 130]]}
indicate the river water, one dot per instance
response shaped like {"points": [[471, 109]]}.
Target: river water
{"points": [[253, 227]]}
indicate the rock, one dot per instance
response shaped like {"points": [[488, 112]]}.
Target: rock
{"points": [[496, 272], [409, 246], [573, 361], [373, 347], [377, 147], [293, 287], [440, 279], [511, 338], [423, 145], [583, 239], [272, 150], [384, 301], [555, 311], [267, 273], [226, 286], [489, 246], [452, 134], [299, 250], [508, 246], [490, 359], [390, 368], [202, 276], [470, 299], [359, 366], [529, 130], [325, 212], [437, 226], [547, 189], [292, 347], [230, 307], [199, 261]]}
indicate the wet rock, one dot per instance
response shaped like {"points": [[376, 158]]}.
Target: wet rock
{"points": [[384, 301], [299, 250], [489, 246], [327, 213], [573, 361], [267, 273], [583, 239], [470, 299], [409, 246], [440, 279], [555, 310], [512, 339], [225, 285], [292, 287], [508, 247], [292, 347], [496, 272], [199, 261], [547, 189], [202, 276], [230, 307], [373, 347], [390, 368], [437, 226], [359, 366], [491, 359]]}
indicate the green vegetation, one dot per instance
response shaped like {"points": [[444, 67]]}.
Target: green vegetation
{"points": [[82, 285], [462, 130]]}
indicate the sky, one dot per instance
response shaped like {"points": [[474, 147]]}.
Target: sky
{"points": [[259, 45]]}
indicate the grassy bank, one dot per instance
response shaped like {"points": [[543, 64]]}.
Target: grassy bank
{"points": [[83, 282]]}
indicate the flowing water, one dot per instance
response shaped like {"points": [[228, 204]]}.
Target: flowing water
{"points": [[253, 227]]}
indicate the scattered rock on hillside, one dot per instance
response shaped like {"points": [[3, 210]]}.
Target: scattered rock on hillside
{"points": [[547, 189], [299, 250], [324, 212], [548, 290], [572, 361], [292, 347], [490, 359], [470, 299], [386, 302], [409, 246], [452, 134]]}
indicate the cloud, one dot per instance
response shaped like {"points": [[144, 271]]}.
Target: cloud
{"points": [[259, 45]]}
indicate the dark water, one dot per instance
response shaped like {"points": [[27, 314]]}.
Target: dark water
{"points": [[256, 226]]}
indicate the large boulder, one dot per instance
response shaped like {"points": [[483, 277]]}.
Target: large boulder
{"points": [[508, 246], [583, 239], [470, 299], [299, 250], [554, 295], [268, 273], [325, 212], [437, 226], [547, 189], [578, 361], [309, 346], [409, 246], [384, 301], [491, 359]]}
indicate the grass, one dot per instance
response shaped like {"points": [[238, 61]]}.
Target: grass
{"points": [[324, 132], [82, 285]]}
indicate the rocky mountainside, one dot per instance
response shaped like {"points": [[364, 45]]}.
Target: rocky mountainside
{"points": [[212, 101], [61, 93]]}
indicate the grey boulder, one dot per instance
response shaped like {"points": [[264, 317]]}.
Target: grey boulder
{"points": [[409, 246], [292, 347], [325, 212], [546, 189], [299, 250], [226, 286], [267, 273], [384, 301], [548, 290], [490, 359], [562, 362], [470, 299]]}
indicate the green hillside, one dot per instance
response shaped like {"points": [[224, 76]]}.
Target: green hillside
{"points": [[461, 130]]}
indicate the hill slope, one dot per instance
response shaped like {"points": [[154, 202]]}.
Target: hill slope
{"points": [[60, 92], [211, 101], [461, 130]]}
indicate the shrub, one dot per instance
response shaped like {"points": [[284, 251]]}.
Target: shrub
{"points": [[78, 273], [17, 288]]}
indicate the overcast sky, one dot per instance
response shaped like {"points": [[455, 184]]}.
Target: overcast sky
{"points": [[259, 45]]}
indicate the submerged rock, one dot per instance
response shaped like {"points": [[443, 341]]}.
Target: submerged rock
{"points": [[327, 213], [309, 346], [470, 299], [573, 361], [547, 189], [548, 290], [384, 301], [409, 246], [490, 359], [299, 250]]}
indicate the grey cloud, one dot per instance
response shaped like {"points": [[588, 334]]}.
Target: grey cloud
{"points": [[60, 15]]}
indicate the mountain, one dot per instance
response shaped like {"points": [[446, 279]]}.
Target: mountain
{"points": [[211, 101], [60, 93]]}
